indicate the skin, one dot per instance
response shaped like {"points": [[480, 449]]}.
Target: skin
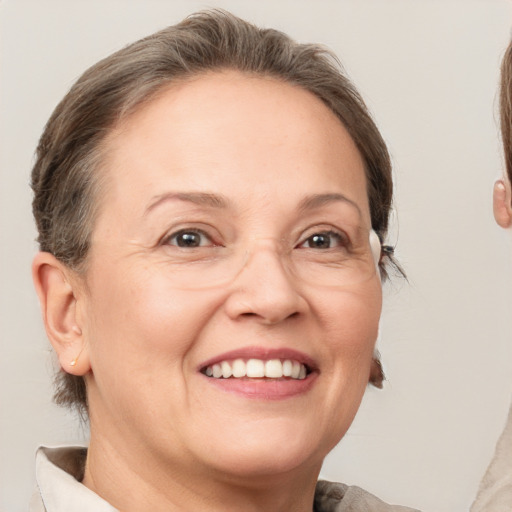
{"points": [[164, 436], [502, 203]]}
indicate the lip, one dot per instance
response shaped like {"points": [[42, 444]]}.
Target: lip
{"points": [[262, 353], [264, 389]]}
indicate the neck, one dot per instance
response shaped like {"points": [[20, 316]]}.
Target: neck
{"points": [[131, 482]]}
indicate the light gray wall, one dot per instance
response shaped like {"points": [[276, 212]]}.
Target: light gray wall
{"points": [[428, 70]]}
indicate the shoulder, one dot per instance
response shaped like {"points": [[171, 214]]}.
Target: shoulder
{"points": [[335, 497], [495, 491]]}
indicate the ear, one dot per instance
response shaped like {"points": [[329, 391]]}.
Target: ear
{"points": [[377, 376], [502, 204], [58, 299]]}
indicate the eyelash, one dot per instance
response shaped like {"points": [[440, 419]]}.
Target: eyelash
{"points": [[193, 231], [341, 239]]}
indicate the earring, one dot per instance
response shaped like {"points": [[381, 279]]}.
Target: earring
{"points": [[75, 360]]}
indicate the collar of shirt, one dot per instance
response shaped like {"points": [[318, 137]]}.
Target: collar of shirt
{"points": [[58, 474]]}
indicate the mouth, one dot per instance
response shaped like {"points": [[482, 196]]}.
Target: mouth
{"points": [[262, 373], [257, 369]]}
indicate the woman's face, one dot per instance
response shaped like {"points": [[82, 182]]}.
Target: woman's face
{"points": [[233, 226]]}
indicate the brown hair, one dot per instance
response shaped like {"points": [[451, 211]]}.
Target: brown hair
{"points": [[506, 108], [64, 180]]}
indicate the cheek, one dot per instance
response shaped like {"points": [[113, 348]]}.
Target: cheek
{"points": [[139, 319], [350, 320], [352, 316], [351, 323], [143, 337]]}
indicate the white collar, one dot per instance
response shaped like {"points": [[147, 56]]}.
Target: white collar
{"points": [[58, 474]]}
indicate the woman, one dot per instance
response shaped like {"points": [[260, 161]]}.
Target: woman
{"points": [[495, 493], [210, 203]]}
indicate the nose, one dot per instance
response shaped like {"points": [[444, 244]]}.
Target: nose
{"points": [[265, 290]]}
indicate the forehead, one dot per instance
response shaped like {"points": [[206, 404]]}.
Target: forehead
{"points": [[225, 132]]}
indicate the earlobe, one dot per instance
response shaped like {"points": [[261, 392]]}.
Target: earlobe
{"points": [[502, 204], [377, 376], [57, 297]]}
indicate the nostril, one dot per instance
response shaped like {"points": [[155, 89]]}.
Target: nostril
{"points": [[248, 314], [268, 318]]}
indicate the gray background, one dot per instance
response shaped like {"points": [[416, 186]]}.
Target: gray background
{"points": [[429, 71]]}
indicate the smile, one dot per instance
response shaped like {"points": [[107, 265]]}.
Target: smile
{"points": [[257, 369]]}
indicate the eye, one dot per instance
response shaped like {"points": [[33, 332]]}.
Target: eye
{"points": [[189, 238], [324, 240]]}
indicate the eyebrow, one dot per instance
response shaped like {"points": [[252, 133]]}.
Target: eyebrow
{"points": [[218, 201], [318, 200], [199, 198]]}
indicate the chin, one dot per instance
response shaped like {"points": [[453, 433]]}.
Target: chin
{"points": [[272, 448], [268, 464]]}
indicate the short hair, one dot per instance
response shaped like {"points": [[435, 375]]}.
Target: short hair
{"points": [[71, 147], [506, 109]]}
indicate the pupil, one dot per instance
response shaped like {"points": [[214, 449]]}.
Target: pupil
{"points": [[320, 241], [188, 240]]}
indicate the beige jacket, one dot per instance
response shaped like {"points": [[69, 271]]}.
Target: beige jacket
{"points": [[495, 493], [59, 471]]}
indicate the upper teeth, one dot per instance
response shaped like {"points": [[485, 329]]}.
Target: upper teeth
{"points": [[257, 368]]}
